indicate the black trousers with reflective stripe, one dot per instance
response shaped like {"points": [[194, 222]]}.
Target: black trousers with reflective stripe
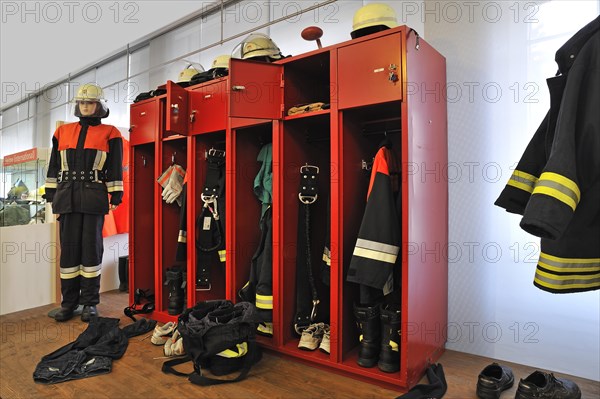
{"points": [[261, 269], [81, 246]]}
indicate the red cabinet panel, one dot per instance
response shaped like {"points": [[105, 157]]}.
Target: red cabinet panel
{"points": [[144, 122], [208, 108], [177, 109], [255, 90], [369, 72]]}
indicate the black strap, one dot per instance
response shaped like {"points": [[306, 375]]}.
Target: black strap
{"points": [[307, 297], [210, 236], [168, 366]]}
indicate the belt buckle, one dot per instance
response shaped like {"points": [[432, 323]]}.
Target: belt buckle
{"points": [[308, 199], [307, 168], [203, 287]]}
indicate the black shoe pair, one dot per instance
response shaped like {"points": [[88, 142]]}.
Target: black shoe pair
{"points": [[65, 314], [539, 385]]}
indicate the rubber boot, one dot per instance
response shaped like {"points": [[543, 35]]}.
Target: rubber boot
{"points": [[174, 281], [123, 273], [367, 320], [389, 356]]}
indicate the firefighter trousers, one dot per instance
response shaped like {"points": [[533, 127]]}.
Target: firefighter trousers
{"points": [[81, 249], [261, 269]]}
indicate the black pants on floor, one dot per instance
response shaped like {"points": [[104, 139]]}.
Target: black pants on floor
{"points": [[81, 249]]}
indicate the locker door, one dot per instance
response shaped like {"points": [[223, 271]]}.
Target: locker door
{"points": [[208, 108], [255, 90], [177, 109], [144, 125], [369, 72]]}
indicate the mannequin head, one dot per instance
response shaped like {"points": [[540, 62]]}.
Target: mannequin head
{"points": [[87, 108]]}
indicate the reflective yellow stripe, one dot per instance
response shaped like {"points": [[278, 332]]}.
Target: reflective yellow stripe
{"points": [[394, 346], [327, 260], [63, 160], [569, 265], [222, 255], [51, 185], [564, 181], [182, 238], [67, 276], [265, 328], [375, 255], [567, 282], [242, 349], [522, 186], [264, 301], [558, 187], [113, 186], [523, 181], [360, 338], [89, 274]]}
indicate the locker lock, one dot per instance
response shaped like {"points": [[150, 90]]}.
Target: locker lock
{"points": [[193, 116], [393, 75], [175, 108]]}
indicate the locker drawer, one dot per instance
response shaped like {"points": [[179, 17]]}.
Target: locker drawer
{"points": [[255, 90], [364, 72], [208, 108], [144, 122]]}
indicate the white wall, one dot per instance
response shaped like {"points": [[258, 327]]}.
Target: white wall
{"points": [[494, 308]]}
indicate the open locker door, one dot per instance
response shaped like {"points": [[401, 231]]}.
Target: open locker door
{"points": [[177, 109], [255, 89]]}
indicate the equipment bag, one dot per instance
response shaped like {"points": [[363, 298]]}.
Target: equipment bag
{"points": [[218, 336]]}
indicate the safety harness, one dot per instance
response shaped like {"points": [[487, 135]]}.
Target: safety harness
{"points": [[210, 235], [306, 294]]}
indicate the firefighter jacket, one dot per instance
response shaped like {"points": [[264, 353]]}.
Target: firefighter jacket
{"points": [[557, 183], [85, 166], [379, 237]]}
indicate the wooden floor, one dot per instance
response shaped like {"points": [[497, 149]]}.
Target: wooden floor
{"points": [[28, 335]]}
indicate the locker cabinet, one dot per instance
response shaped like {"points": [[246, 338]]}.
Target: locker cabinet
{"points": [[364, 84]]}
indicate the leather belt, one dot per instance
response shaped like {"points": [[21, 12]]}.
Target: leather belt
{"points": [[97, 176]]}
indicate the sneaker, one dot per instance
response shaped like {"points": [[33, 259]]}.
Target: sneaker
{"points": [[325, 343], [160, 334], [174, 345], [493, 380], [312, 337], [541, 385], [265, 329]]}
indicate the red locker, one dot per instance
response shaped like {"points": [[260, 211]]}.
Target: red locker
{"points": [[364, 84]]}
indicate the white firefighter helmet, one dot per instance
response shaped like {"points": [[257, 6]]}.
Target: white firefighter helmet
{"points": [[373, 18], [188, 73], [257, 45], [222, 61], [90, 93]]}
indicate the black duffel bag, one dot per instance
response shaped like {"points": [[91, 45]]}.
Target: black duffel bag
{"points": [[218, 336]]}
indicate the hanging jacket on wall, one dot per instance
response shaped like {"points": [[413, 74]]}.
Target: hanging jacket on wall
{"points": [[117, 220], [557, 183], [379, 237], [78, 181]]}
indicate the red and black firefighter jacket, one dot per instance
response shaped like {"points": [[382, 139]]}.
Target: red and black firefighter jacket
{"points": [[379, 237], [85, 166], [556, 186]]}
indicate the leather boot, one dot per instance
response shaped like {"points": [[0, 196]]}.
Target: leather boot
{"points": [[123, 273], [88, 312], [64, 314], [174, 281], [389, 356], [367, 320]]}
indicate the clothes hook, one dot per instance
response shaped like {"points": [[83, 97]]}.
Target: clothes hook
{"points": [[173, 157], [144, 160]]}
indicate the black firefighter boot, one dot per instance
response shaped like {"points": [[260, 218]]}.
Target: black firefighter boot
{"points": [[123, 273], [389, 357], [175, 281], [367, 320]]}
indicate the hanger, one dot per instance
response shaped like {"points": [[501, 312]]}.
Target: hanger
{"points": [[173, 158]]}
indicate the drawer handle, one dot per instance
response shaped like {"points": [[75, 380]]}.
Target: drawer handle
{"points": [[238, 88], [208, 96], [143, 113]]}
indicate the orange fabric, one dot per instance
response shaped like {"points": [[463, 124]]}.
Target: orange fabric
{"points": [[117, 221], [380, 165], [96, 139]]}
